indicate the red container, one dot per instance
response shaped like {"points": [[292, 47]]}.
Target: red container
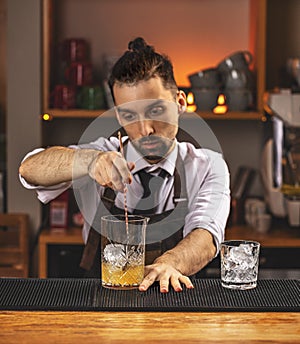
{"points": [[63, 97], [75, 50], [59, 211], [79, 74]]}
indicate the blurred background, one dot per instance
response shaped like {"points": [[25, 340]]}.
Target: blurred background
{"points": [[233, 57]]}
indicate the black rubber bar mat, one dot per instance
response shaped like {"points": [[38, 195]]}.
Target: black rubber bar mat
{"points": [[88, 295]]}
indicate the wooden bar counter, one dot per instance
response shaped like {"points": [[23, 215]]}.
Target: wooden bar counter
{"points": [[148, 327], [153, 327]]}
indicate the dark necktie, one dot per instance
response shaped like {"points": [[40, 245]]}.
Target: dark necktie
{"points": [[152, 185]]}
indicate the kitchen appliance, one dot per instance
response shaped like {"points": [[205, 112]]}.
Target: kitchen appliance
{"points": [[280, 166], [285, 104]]}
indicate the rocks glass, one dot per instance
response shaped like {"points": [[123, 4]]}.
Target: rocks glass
{"points": [[239, 264]]}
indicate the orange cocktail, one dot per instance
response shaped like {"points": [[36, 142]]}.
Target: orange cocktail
{"points": [[122, 251]]}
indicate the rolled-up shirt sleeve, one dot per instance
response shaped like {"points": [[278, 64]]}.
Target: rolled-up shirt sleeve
{"points": [[46, 194], [209, 205]]}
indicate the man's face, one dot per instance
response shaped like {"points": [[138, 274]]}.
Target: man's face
{"points": [[149, 114]]}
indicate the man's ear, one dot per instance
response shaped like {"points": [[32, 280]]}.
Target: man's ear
{"points": [[181, 102]]}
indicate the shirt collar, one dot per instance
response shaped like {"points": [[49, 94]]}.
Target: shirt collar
{"points": [[167, 164]]}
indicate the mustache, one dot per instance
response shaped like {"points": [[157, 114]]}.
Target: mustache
{"points": [[149, 139]]}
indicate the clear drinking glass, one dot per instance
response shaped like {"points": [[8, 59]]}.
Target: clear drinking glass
{"points": [[239, 264], [122, 251]]}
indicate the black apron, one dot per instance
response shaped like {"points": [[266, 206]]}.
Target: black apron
{"points": [[172, 226]]}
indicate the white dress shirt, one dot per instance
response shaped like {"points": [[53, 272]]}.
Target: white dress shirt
{"points": [[207, 185]]}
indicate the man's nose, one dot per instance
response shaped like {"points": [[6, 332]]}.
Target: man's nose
{"points": [[146, 127]]}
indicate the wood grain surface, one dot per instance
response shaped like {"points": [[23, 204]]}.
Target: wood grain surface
{"points": [[148, 327]]}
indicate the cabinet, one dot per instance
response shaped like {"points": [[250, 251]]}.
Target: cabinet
{"points": [[202, 33], [14, 245], [57, 250]]}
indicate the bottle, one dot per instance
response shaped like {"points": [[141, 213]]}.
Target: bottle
{"points": [[59, 212]]}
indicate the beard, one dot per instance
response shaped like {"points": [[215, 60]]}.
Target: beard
{"points": [[153, 148]]}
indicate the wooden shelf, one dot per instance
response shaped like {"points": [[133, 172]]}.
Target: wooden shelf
{"points": [[10, 249], [276, 237], [232, 115], [256, 44], [80, 113], [72, 236], [74, 113], [13, 271]]}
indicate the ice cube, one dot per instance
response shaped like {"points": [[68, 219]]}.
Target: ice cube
{"points": [[115, 255], [247, 248], [243, 252], [135, 256], [237, 254]]}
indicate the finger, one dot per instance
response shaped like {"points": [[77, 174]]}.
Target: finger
{"points": [[175, 283], [164, 285], [131, 165], [116, 179], [147, 281], [121, 165], [186, 281], [101, 176]]}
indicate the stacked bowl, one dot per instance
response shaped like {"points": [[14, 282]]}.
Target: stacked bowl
{"points": [[231, 77]]}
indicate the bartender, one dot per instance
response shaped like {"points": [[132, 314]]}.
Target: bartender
{"points": [[193, 181]]}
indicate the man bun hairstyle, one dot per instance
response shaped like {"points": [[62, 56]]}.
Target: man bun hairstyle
{"points": [[141, 63], [139, 44]]}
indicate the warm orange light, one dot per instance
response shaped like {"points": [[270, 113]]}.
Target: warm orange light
{"points": [[221, 99], [46, 117], [221, 108], [190, 98], [264, 119], [191, 107]]}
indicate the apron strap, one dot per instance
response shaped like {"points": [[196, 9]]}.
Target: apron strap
{"points": [[90, 250]]}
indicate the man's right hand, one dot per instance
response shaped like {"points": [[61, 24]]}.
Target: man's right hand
{"points": [[111, 169]]}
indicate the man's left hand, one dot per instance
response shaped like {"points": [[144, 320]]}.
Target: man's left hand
{"points": [[165, 274]]}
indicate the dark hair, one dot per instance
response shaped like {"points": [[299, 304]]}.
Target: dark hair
{"points": [[141, 62]]}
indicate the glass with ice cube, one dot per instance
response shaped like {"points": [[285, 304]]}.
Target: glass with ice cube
{"points": [[122, 251], [239, 264]]}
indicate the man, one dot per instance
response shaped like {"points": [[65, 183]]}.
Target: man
{"points": [[148, 105]]}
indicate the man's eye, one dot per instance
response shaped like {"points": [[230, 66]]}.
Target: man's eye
{"points": [[156, 111], [128, 116]]}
